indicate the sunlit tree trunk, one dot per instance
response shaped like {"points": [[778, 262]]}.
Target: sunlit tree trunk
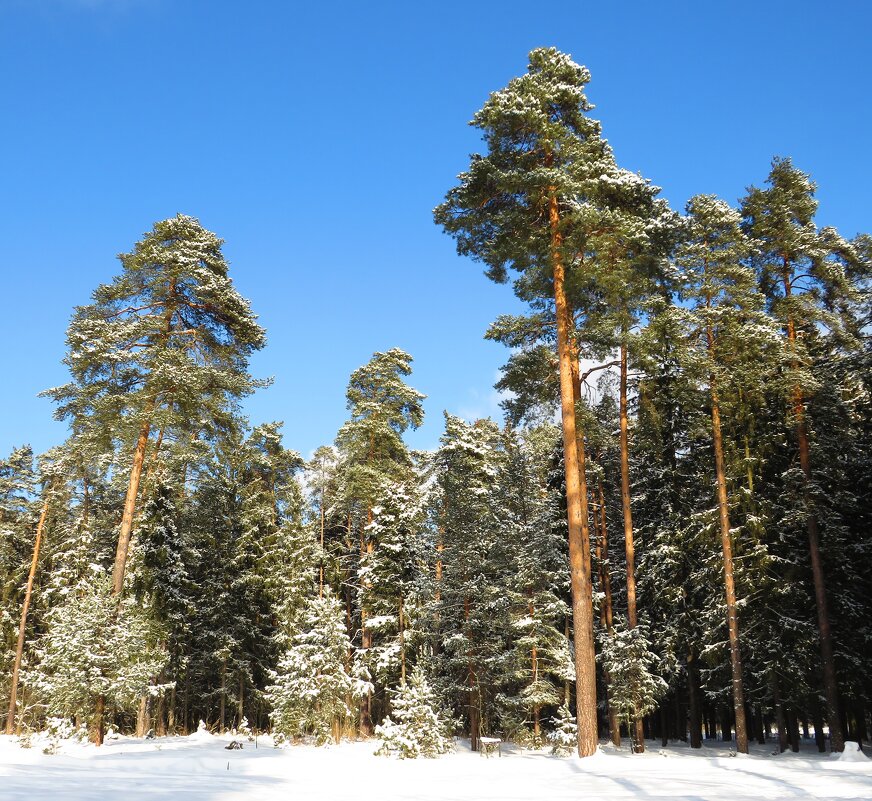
{"points": [[22, 625], [576, 503]]}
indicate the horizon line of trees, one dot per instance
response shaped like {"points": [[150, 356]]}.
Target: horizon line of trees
{"points": [[683, 554]]}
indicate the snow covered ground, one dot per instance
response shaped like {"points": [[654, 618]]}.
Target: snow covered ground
{"points": [[198, 768]]}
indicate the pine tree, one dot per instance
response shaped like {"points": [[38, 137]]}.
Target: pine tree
{"points": [[733, 337], [51, 479], [95, 653], [529, 205], [166, 343], [564, 736], [374, 458], [17, 480]]}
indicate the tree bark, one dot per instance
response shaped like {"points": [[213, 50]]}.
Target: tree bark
{"points": [[99, 716], [607, 611], [629, 545], [130, 503], [729, 584], [28, 592], [576, 506], [694, 703]]}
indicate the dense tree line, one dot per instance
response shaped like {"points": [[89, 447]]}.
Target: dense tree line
{"points": [[683, 555]]}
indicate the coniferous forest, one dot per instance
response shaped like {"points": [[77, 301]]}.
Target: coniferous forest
{"points": [[667, 537]]}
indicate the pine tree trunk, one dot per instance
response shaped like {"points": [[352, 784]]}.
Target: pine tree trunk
{"points": [[758, 725], [792, 730], [632, 618], [576, 506], [130, 503], [28, 592], [607, 611], [729, 585], [473, 693], [321, 555], [171, 712], [664, 725], [142, 716], [366, 726], [817, 720], [779, 715], [99, 715], [831, 688], [437, 596]]}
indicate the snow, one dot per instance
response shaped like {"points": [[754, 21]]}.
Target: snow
{"points": [[199, 768]]}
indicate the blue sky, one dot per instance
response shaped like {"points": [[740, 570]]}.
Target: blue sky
{"points": [[317, 138]]}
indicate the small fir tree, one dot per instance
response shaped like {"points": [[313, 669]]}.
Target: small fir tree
{"points": [[420, 729]]}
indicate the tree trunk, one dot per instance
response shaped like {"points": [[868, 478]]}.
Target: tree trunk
{"points": [[222, 698], [758, 724], [664, 725], [240, 703], [693, 698], [792, 730], [402, 644], [576, 507], [779, 716], [817, 720], [171, 712], [366, 549], [22, 625], [729, 585], [831, 689], [142, 716], [321, 554], [607, 611], [473, 690], [130, 503], [99, 715], [632, 618]]}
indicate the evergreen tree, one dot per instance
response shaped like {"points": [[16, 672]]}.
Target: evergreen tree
{"points": [[419, 730], [374, 458], [165, 344], [733, 337], [312, 686], [95, 654], [634, 686], [802, 272], [530, 204], [476, 660]]}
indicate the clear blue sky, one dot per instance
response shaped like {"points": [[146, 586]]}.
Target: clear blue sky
{"points": [[316, 138]]}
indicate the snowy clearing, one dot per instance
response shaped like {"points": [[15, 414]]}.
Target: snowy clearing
{"points": [[198, 768]]}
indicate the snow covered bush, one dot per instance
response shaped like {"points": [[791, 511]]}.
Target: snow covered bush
{"points": [[564, 738], [420, 730], [59, 729]]}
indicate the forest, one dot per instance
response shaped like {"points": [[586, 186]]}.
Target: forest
{"points": [[667, 537]]}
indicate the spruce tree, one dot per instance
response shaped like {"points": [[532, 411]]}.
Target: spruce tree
{"points": [[804, 279]]}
